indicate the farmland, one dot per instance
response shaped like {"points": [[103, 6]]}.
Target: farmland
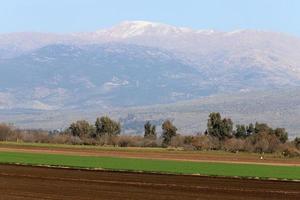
{"points": [[148, 160], [49, 171], [24, 182], [176, 154], [145, 165]]}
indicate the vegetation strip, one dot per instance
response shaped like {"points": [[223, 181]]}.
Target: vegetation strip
{"points": [[149, 165]]}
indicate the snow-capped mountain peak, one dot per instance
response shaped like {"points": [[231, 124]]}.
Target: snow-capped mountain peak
{"points": [[141, 24], [129, 29]]}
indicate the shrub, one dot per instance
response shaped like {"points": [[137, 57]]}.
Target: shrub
{"points": [[234, 145], [291, 152], [150, 142], [130, 141], [205, 142], [34, 136], [262, 142], [6, 131], [297, 142], [177, 141]]}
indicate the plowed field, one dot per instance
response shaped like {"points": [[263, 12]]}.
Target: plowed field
{"points": [[25, 182]]}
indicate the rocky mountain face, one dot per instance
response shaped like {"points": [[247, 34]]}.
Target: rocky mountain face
{"points": [[140, 63]]}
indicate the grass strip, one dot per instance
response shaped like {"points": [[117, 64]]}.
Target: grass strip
{"points": [[149, 165], [141, 149]]}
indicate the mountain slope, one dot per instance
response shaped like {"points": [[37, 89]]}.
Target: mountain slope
{"points": [[60, 76], [115, 74]]}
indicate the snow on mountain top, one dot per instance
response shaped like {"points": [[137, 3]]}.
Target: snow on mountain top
{"points": [[129, 29], [141, 24]]}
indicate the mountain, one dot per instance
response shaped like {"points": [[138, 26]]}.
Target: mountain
{"points": [[64, 76], [138, 63], [215, 52], [279, 108]]}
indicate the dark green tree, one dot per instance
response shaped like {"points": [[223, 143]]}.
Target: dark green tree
{"points": [[81, 128], [227, 127], [241, 131], [262, 127], [107, 126], [150, 130], [214, 125], [218, 127], [250, 129], [281, 134], [169, 131], [297, 142]]}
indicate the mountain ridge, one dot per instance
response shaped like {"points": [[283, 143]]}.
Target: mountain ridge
{"points": [[141, 64]]}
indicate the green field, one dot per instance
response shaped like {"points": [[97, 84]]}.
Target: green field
{"points": [[163, 166]]}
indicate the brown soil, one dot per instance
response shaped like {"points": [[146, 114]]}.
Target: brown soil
{"points": [[25, 182], [167, 155]]}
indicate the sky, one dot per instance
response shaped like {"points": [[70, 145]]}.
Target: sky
{"points": [[89, 15]]}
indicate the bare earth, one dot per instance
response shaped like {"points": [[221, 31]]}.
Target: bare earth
{"points": [[25, 182], [166, 155]]}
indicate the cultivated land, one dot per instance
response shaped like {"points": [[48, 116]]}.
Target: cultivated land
{"points": [[141, 173], [159, 166], [148, 160], [25, 182], [150, 153]]}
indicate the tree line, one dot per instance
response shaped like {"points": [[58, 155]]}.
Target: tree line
{"points": [[221, 134]]}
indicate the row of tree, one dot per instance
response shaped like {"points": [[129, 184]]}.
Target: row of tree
{"points": [[102, 126], [223, 129], [217, 127], [105, 126], [219, 135]]}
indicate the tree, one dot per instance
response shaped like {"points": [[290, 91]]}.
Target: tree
{"points": [[250, 129], [281, 134], [107, 126], [297, 142], [227, 127], [169, 131], [150, 131], [262, 127], [241, 131], [81, 128], [265, 142], [214, 125], [218, 127]]}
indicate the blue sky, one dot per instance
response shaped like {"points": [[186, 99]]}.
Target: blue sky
{"points": [[90, 15]]}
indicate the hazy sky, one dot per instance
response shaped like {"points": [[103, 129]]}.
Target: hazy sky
{"points": [[90, 15]]}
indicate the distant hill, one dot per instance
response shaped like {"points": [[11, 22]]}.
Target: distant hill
{"points": [[138, 63], [279, 108]]}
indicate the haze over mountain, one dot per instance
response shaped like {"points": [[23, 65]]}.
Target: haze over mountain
{"points": [[139, 63]]}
